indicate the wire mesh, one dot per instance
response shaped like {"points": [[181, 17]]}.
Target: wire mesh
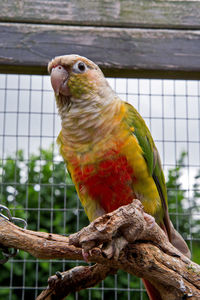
{"points": [[33, 183]]}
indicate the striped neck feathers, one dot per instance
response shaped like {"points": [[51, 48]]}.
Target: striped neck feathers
{"points": [[89, 120]]}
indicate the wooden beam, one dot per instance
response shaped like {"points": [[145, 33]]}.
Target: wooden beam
{"points": [[126, 13], [131, 52]]}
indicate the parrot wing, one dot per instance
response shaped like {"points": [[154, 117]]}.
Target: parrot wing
{"points": [[151, 156]]}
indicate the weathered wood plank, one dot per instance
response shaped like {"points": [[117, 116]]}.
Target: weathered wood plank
{"points": [[127, 13], [164, 52]]}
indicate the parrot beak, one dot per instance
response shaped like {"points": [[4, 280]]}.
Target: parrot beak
{"points": [[59, 78]]}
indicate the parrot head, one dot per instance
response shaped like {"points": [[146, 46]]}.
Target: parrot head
{"points": [[86, 103], [76, 78]]}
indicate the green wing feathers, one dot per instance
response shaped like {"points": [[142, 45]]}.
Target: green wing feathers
{"points": [[151, 157]]}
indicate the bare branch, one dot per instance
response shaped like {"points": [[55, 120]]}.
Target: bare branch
{"points": [[122, 239], [76, 279]]}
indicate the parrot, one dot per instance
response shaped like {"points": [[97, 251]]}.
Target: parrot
{"points": [[107, 147]]}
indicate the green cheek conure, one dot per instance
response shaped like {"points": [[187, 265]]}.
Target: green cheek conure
{"points": [[107, 147]]}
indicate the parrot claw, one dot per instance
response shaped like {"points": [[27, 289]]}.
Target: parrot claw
{"points": [[150, 220], [85, 255], [112, 248]]}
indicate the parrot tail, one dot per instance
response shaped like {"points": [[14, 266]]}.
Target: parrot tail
{"points": [[151, 290], [179, 243]]}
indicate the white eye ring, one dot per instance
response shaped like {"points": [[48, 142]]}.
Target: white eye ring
{"points": [[79, 67]]}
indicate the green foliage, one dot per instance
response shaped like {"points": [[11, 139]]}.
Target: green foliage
{"points": [[184, 212], [176, 197], [40, 191]]}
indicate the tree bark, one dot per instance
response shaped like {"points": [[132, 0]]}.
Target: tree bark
{"points": [[123, 239]]}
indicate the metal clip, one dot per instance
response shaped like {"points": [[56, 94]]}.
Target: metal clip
{"points": [[6, 252]]}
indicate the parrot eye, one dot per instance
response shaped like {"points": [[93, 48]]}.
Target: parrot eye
{"points": [[79, 67]]}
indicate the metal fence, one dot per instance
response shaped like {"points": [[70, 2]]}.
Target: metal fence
{"points": [[29, 122]]}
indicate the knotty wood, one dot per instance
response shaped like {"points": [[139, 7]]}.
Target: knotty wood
{"points": [[76, 279], [146, 253], [131, 52], [116, 13]]}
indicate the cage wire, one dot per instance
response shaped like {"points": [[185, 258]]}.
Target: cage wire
{"points": [[34, 184]]}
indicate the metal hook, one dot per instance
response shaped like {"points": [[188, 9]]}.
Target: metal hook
{"points": [[5, 251]]}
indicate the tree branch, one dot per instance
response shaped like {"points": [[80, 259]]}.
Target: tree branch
{"points": [[122, 239], [76, 279]]}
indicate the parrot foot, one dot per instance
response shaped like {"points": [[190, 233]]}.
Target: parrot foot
{"points": [[110, 233], [150, 220], [112, 248]]}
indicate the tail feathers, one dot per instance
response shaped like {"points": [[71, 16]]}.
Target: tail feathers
{"points": [[151, 290], [178, 242]]}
